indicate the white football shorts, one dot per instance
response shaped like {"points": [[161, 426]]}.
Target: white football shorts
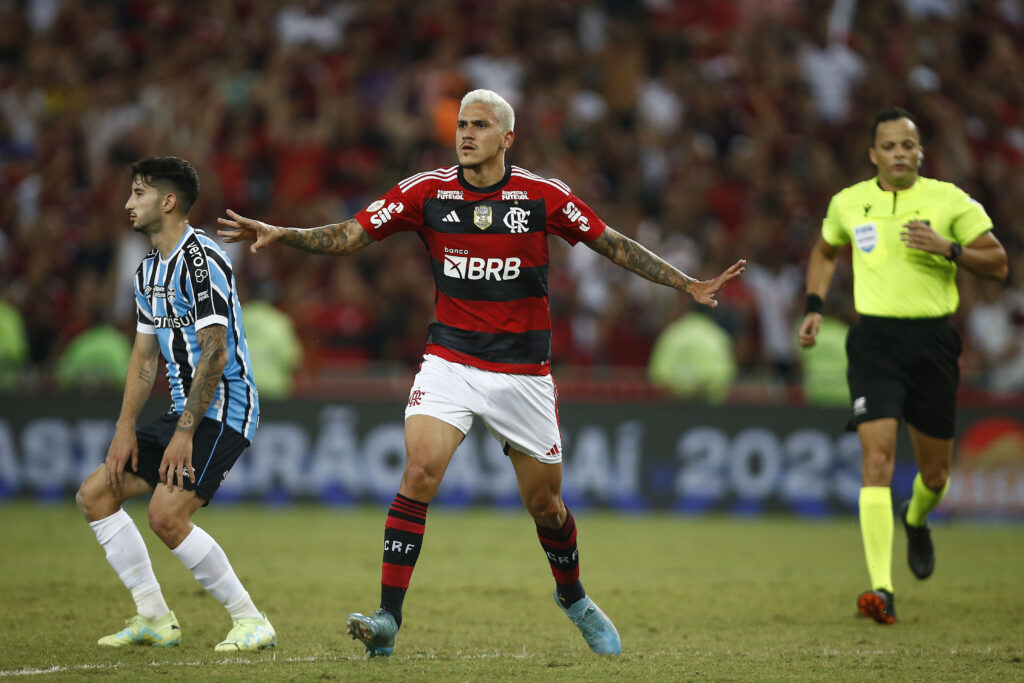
{"points": [[520, 411]]}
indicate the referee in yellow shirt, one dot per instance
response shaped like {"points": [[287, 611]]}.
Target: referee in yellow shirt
{"points": [[908, 235]]}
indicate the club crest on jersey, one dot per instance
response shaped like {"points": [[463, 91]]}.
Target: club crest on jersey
{"points": [[483, 216], [515, 220], [866, 236], [161, 292]]}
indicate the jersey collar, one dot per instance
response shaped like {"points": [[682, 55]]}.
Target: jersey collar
{"points": [[878, 186], [189, 230], [486, 190]]}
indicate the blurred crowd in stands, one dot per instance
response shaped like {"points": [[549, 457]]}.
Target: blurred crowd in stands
{"points": [[707, 129]]}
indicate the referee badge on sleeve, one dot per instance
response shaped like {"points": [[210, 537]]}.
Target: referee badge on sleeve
{"points": [[866, 236]]}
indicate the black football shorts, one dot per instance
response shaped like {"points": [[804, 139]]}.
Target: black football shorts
{"points": [[905, 369], [215, 448]]}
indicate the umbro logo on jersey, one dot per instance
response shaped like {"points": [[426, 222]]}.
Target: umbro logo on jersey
{"points": [[452, 217]]}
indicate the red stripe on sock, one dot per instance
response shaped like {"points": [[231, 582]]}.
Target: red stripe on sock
{"points": [[395, 575], [566, 576], [409, 506], [404, 525], [558, 545]]}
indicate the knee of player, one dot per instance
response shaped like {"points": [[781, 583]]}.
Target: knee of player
{"points": [[421, 482], [82, 501], [93, 499], [935, 478], [166, 523], [545, 508]]}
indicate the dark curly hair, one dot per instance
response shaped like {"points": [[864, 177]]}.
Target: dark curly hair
{"points": [[170, 175]]}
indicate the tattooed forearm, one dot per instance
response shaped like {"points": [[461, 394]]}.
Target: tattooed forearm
{"points": [[635, 257], [212, 359], [186, 422], [338, 238], [147, 375]]}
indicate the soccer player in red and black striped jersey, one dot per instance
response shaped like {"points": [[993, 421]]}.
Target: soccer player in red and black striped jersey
{"points": [[485, 225]]}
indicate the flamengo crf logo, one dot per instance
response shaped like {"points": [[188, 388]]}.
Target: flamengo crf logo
{"points": [[459, 265], [516, 218]]}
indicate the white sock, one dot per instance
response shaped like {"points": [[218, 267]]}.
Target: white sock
{"points": [[126, 553], [208, 563]]}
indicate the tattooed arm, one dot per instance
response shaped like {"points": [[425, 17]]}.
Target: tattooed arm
{"points": [[138, 385], [637, 258], [213, 356], [338, 238]]}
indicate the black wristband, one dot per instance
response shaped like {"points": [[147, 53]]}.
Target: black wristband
{"points": [[954, 251], [813, 304]]}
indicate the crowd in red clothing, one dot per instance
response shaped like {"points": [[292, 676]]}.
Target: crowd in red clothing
{"points": [[707, 130]]}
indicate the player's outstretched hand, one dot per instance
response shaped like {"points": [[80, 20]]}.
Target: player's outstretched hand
{"points": [[239, 228], [808, 332], [703, 292]]}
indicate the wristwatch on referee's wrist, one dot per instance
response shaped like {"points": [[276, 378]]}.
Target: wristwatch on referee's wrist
{"points": [[954, 251]]}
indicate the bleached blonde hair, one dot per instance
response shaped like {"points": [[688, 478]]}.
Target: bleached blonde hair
{"points": [[502, 109]]}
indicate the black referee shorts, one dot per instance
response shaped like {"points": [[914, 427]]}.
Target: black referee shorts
{"points": [[905, 369], [215, 448]]}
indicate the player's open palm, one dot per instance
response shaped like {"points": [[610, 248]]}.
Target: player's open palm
{"points": [[703, 292], [238, 228]]}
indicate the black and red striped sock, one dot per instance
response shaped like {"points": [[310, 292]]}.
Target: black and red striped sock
{"points": [[403, 537], [563, 556]]}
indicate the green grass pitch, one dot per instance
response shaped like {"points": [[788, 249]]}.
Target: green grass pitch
{"points": [[694, 598]]}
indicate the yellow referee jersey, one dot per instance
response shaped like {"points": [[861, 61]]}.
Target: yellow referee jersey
{"points": [[891, 280]]}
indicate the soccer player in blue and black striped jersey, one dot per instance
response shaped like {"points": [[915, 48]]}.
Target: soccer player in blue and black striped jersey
{"points": [[188, 312]]}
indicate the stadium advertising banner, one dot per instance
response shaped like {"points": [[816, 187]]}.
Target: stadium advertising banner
{"points": [[638, 455]]}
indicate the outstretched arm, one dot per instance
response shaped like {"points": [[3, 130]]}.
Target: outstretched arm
{"points": [[637, 258], [820, 267], [338, 238]]}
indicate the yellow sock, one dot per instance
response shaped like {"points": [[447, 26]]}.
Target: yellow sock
{"points": [[876, 526], [923, 501]]}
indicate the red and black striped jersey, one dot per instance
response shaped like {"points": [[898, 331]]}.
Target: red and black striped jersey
{"points": [[489, 251]]}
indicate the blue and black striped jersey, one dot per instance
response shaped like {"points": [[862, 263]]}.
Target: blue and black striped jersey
{"points": [[192, 289]]}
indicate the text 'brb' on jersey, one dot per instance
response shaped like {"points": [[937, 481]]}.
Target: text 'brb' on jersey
{"points": [[192, 289], [489, 251]]}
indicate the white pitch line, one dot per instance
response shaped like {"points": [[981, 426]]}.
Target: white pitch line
{"points": [[60, 668]]}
